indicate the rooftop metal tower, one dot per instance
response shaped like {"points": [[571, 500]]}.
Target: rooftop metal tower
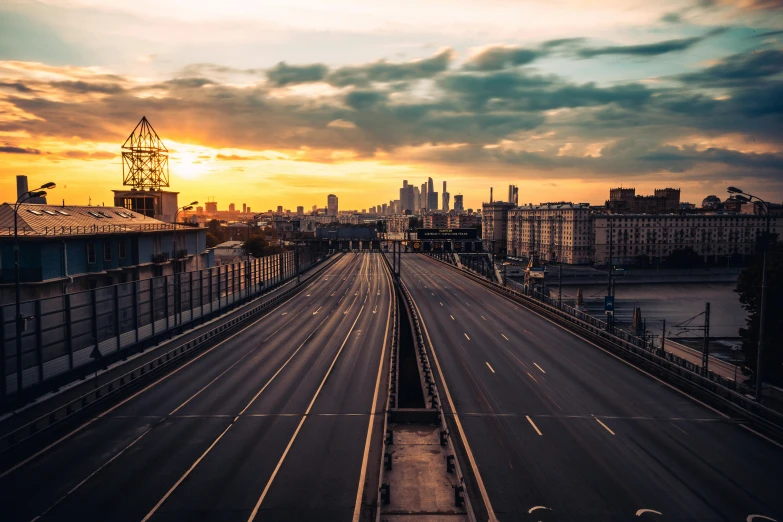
{"points": [[145, 160]]}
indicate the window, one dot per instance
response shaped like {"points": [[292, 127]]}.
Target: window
{"points": [[107, 251], [91, 253], [36, 212], [50, 212], [94, 214], [122, 247], [64, 213]]}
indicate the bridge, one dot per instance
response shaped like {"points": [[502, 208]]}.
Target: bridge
{"points": [[287, 407]]}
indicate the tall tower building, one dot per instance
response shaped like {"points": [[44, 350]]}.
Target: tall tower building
{"points": [[458, 205], [513, 194], [446, 197], [423, 197], [331, 205]]}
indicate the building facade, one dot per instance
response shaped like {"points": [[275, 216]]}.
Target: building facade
{"points": [[64, 249], [331, 205], [716, 237], [559, 232], [494, 226]]}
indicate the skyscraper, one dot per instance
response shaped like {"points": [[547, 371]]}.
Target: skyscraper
{"points": [[432, 196], [513, 194], [300, 211], [331, 205], [406, 196], [423, 197], [446, 199], [458, 205]]}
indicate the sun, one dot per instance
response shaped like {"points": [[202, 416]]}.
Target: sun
{"points": [[188, 165]]}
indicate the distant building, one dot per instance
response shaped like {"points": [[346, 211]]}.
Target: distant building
{"points": [[435, 220], [300, 211], [331, 205], [229, 252], [559, 232], [211, 207], [66, 249], [513, 194], [232, 207], [446, 199], [494, 226], [459, 206], [625, 201], [464, 221]]}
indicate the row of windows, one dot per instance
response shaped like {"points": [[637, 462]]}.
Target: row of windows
{"points": [[107, 251]]}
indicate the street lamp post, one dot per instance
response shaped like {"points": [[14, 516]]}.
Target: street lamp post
{"points": [[744, 197], [175, 261], [247, 254], [37, 193]]}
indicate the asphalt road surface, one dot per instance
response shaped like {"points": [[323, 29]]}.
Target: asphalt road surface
{"points": [[271, 424], [561, 430]]}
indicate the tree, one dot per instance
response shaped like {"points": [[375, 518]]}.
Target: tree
{"points": [[213, 227], [257, 246], [749, 290], [685, 258]]}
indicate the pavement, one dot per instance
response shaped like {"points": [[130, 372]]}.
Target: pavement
{"points": [[561, 430], [277, 422]]}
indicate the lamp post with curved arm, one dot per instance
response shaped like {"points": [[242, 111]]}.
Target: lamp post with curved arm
{"points": [[175, 260], [36, 193], [744, 197]]}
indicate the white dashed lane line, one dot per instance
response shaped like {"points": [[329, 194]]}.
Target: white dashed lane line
{"points": [[490, 367]]}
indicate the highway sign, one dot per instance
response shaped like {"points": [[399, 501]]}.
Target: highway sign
{"points": [[447, 233], [609, 303]]}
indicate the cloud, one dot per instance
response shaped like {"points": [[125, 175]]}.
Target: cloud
{"points": [[84, 87], [671, 18], [17, 86], [237, 157], [283, 74], [385, 72], [644, 50], [341, 124], [84, 155], [738, 68], [501, 57], [10, 149]]}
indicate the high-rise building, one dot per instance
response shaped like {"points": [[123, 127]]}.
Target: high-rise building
{"points": [[446, 199], [406, 196], [432, 203], [331, 205], [280, 209], [458, 205], [232, 207], [211, 207], [513, 194], [300, 211], [384, 209], [423, 197]]}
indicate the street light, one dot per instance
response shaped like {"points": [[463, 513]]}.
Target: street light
{"points": [[748, 198], [247, 253], [174, 260], [36, 193]]}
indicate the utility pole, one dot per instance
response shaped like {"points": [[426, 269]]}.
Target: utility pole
{"points": [[760, 351], [560, 284], [663, 338], [705, 356]]}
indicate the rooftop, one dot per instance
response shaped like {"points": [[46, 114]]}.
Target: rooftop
{"points": [[55, 220]]}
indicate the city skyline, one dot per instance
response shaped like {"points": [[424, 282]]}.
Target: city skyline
{"points": [[682, 93]]}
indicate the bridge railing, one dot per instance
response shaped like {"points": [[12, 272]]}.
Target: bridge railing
{"points": [[66, 335]]}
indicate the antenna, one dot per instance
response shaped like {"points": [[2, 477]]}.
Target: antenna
{"points": [[145, 159]]}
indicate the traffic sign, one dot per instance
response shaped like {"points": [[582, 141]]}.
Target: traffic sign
{"points": [[609, 303]]}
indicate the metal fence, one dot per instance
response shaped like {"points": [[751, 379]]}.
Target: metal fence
{"points": [[66, 332]]}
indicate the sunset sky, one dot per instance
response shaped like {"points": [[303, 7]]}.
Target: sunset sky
{"points": [[282, 102]]}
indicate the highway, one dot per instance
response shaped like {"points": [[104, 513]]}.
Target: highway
{"points": [[561, 430], [274, 423]]}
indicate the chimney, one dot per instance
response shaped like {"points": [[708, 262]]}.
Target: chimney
{"points": [[21, 185], [490, 194]]}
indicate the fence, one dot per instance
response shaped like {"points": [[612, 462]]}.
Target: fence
{"points": [[66, 332]]}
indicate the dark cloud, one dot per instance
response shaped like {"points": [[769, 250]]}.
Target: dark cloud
{"points": [[9, 149], [644, 50], [283, 74], [203, 69], [187, 83], [17, 86], [361, 99], [385, 72], [738, 69], [84, 87], [81, 154], [671, 18], [496, 58]]}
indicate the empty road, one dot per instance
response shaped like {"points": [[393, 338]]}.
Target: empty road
{"points": [[561, 430], [271, 424]]}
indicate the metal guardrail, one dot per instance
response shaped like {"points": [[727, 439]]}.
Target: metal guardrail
{"points": [[146, 370], [683, 374], [432, 396]]}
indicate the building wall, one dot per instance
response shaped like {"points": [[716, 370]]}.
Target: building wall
{"points": [[553, 232], [713, 236], [494, 226]]}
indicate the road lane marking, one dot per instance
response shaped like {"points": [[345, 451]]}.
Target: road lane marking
{"points": [[357, 508], [433, 295], [469, 452], [490, 368], [528, 374], [441, 303], [466, 337], [527, 331], [540, 368], [643, 511], [301, 422], [534, 425], [504, 337], [452, 317], [604, 425], [319, 309], [285, 313], [483, 317], [682, 430], [185, 475], [308, 295]]}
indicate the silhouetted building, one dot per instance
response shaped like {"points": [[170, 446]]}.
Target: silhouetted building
{"points": [[331, 205]]}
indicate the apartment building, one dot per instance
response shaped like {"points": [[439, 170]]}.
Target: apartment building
{"points": [[494, 226], [435, 220], [559, 232], [715, 237]]}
